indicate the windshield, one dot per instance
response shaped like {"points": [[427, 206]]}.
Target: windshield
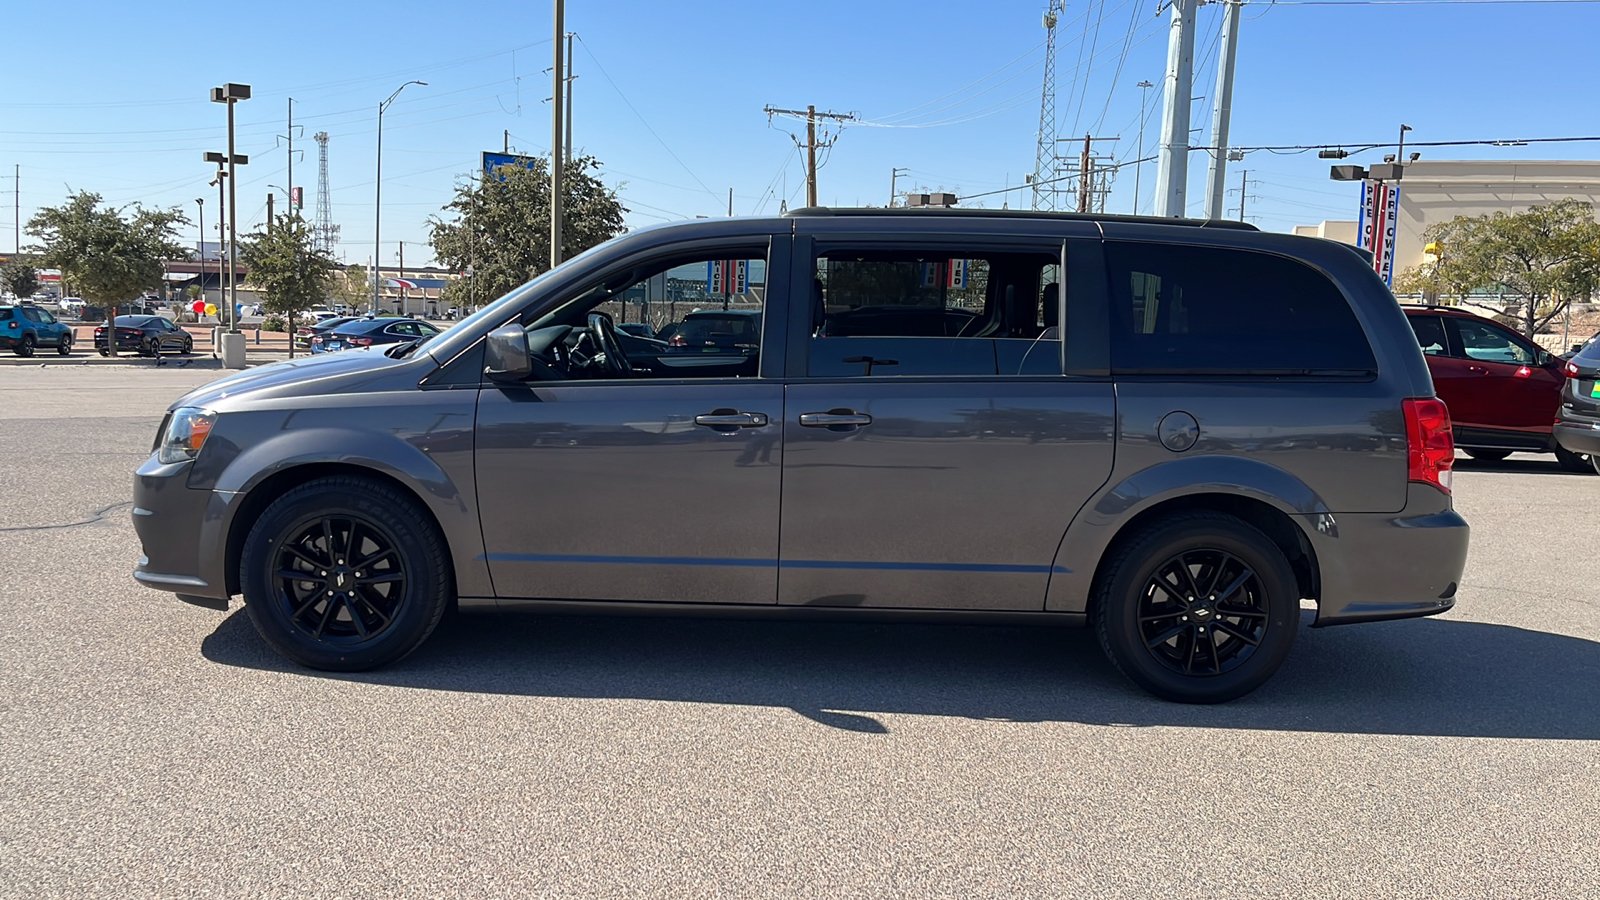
{"points": [[501, 309]]}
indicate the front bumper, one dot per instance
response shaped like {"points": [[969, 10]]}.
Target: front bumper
{"points": [[177, 528], [1377, 566]]}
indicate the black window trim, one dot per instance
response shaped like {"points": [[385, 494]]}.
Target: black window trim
{"points": [[1244, 374], [452, 372], [1459, 349], [1088, 306]]}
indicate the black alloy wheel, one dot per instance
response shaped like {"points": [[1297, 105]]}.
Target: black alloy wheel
{"points": [[188, 345], [25, 346], [345, 573], [1198, 608], [65, 346], [340, 579], [1202, 612]]}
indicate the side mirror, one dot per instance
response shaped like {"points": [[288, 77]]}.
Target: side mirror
{"points": [[506, 354]]}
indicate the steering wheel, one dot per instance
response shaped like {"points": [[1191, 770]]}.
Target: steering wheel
{"points": [[615, 361]]}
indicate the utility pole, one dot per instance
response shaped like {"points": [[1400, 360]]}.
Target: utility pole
{"points": [[405, 307], [1244, 191], [1172, 172], [16, 196], [270, 196], [290, 198], [894, 181], [570, 77], [811, 156], [1084, 175], [811, 146], [1222, 110], [730, 204], [556, 136]]}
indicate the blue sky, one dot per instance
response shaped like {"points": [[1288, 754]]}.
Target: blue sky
{"points": [[112, 97]]}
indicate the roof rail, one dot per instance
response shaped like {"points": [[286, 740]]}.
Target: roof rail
{"points": [[809, 211]]}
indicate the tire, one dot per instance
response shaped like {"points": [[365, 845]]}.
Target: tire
{"points": [[360, 614], [65, 346], [25, 346], [145, 348], [1488, 455], [104, 352], [1575, 462], [1131, 614], [188, 346]]}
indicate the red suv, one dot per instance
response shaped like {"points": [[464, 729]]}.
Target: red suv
{"points": [[1502, 390]]}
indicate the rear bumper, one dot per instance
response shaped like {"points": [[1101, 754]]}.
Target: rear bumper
{"points": [[1580, 435], [1389, 566]]}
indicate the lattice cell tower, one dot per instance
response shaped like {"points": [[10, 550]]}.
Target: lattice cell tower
{"points": [[324, 232], [1046, 166]]}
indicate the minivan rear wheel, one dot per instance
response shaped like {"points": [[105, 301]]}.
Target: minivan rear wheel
{"points": [[1198, 608], [344, 574]]}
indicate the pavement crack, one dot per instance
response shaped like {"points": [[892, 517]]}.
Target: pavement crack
{"points": [[98, 515]]}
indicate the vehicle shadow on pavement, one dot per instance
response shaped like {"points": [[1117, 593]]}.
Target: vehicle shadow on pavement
{"points": [[1416, 677]]}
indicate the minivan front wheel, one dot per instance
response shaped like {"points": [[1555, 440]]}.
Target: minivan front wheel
{"points": [[1198, 608], [344, 574]]}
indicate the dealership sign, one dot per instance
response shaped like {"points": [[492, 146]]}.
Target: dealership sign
{"points": [[1380, 211]]}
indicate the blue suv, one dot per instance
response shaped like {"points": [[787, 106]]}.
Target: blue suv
{"points": [[23, 328]]}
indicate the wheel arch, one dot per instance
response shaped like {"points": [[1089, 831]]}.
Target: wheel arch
{"points": [[1265, 518], [1270, 499], [254, 503]]}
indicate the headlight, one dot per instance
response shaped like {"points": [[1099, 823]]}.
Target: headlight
{"points": [[185, 434]]}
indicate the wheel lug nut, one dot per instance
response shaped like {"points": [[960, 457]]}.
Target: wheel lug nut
{"points": [[330, 593], [324, 574]]}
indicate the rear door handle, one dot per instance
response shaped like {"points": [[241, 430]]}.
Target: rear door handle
{"points": [[834, 418], [731, 419], [1478, 370]]}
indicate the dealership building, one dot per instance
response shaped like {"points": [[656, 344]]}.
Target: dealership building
{"points": [[1433, 192]]}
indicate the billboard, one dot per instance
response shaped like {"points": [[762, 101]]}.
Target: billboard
{"points": [[492, 161]]}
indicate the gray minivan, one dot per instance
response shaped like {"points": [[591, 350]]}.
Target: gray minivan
{"points": [[1170, 431]]}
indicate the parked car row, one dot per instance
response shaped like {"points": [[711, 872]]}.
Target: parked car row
{"points": [[1505, 393], [368, 332]]}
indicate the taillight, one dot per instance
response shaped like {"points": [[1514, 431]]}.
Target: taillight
{"points": [[316, 339], [14, 324], [1430, 446], [677, 341], [360, 342], [1572, 369]]}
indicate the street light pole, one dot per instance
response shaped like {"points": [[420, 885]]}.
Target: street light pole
{"points": [[556, 139], [1138, 159], [377, 203], [200, 247]]}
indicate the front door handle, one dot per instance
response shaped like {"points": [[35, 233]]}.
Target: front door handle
{"points": [[731, 419], [1478, 370], [835, 418]]}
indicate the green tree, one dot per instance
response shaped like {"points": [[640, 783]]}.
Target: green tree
{"points": [[286, 265], [111, 258], [1548, 256], [500, 226], [20, 277], [350, 287]]}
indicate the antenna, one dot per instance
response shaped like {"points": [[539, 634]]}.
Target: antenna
{"points": [[324, 233]]}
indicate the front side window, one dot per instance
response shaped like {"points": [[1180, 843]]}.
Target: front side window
{"points": [[905, 312], [45, 317], [32, 315], [1486, 343], [693, 316], [1205, 310]]}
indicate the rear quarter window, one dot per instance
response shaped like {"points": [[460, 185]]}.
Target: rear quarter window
{"points": [[1205, 310]]}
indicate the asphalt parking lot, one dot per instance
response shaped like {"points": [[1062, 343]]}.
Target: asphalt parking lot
{"points": [[151, 748]]}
